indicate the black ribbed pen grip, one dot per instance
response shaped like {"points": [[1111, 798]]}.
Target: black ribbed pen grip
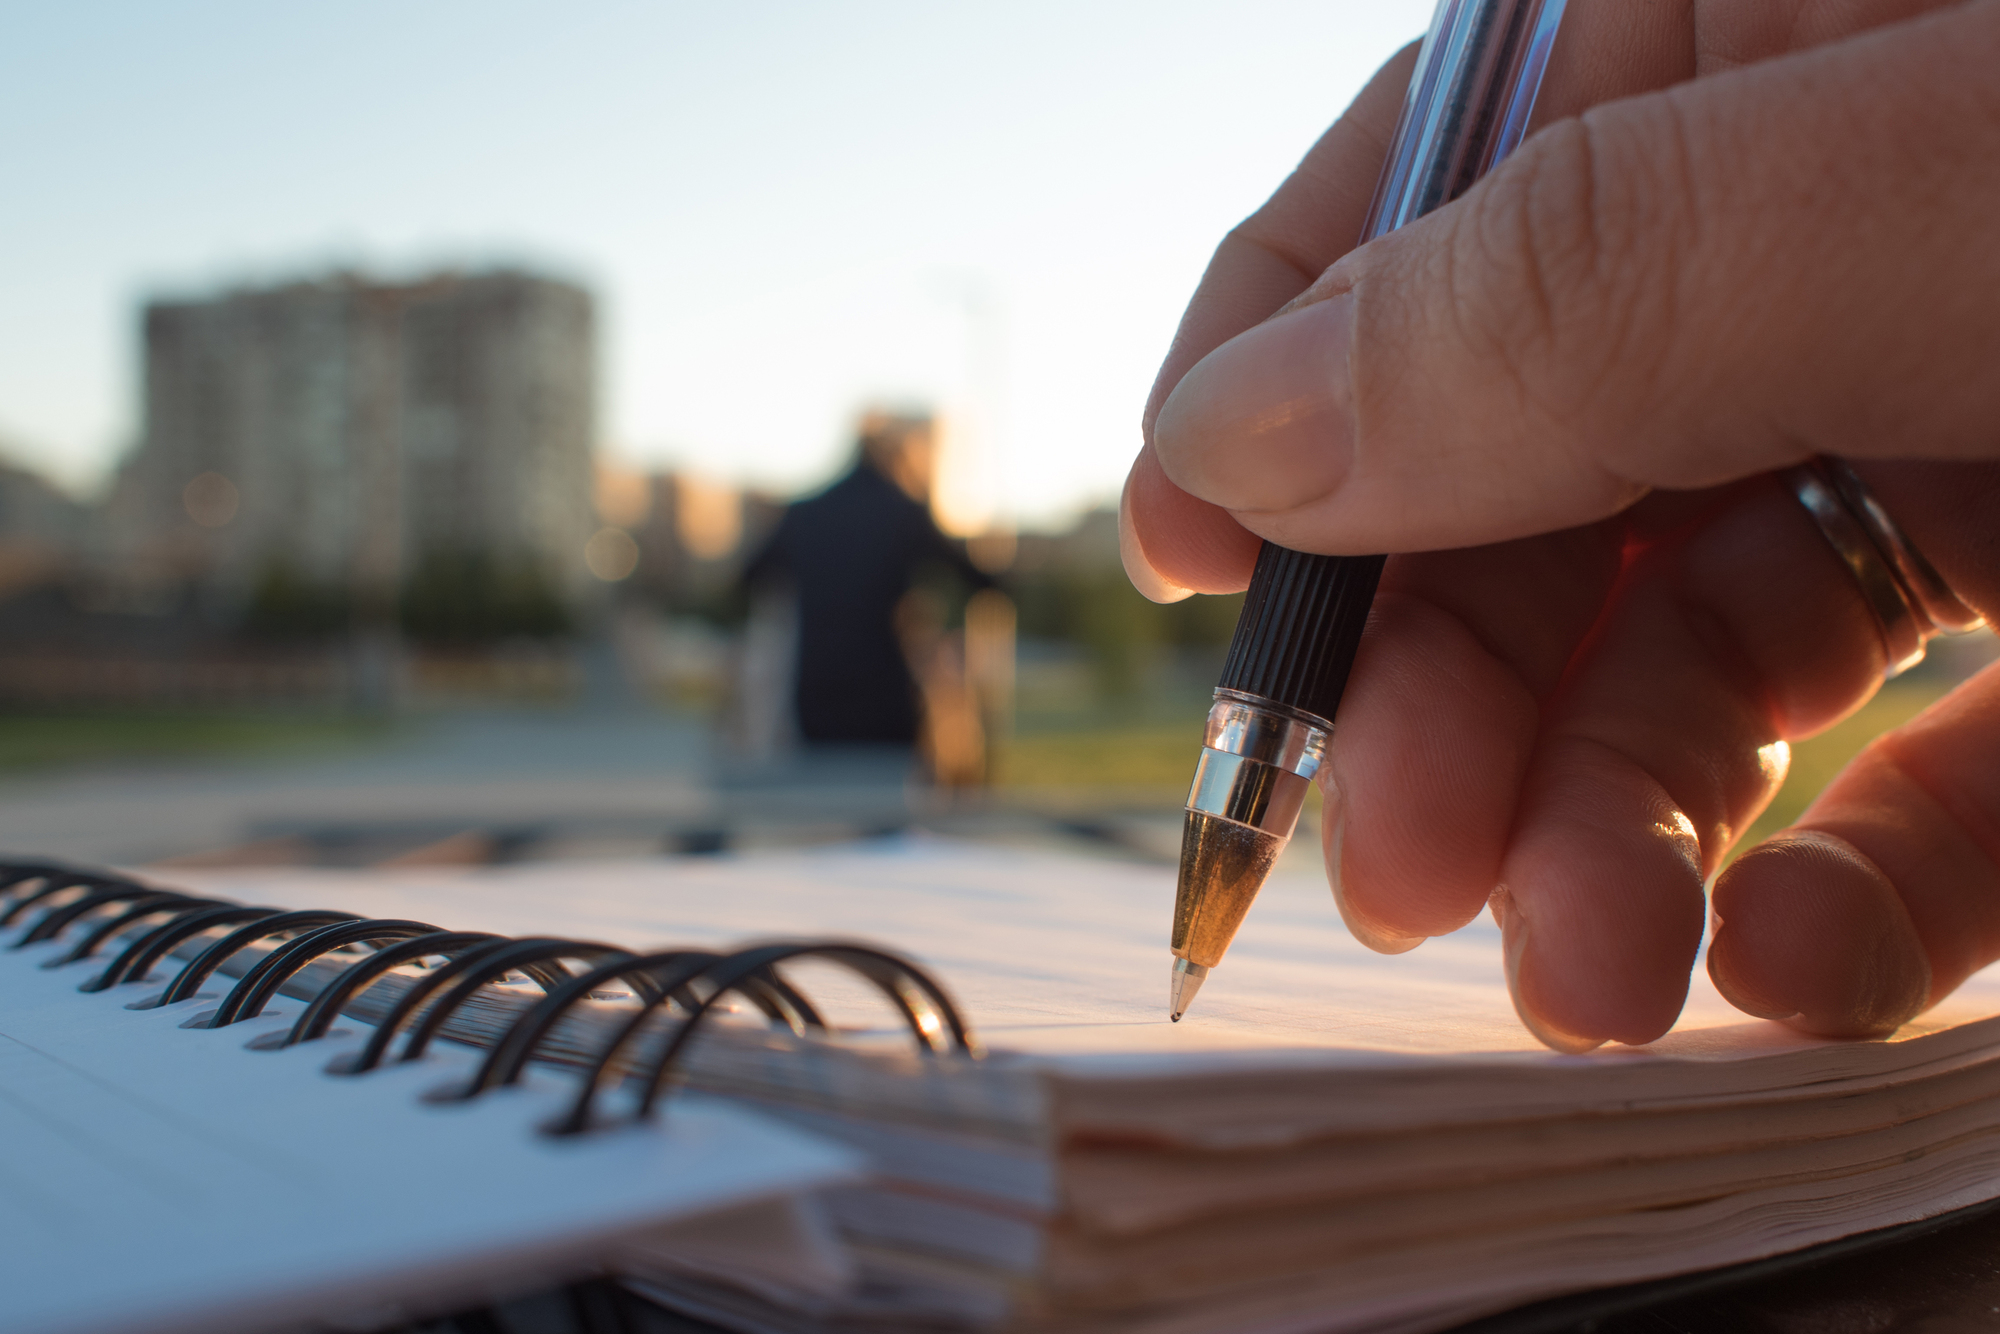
{"points": [[1300, 626]]}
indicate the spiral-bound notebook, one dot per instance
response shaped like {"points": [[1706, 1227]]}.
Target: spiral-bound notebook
{"points": [[159, 1177], [1337, 1140]]}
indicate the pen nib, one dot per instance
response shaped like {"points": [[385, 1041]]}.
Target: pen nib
{"points": [[1181, 986]]}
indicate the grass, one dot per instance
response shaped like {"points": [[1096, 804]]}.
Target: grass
{"points": [[30, 741], [1138, 758], [1140, 748]]}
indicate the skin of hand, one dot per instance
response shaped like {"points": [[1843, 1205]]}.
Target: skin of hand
{"points": [[1747, 232]]}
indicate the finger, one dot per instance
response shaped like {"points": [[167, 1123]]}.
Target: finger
{"points": [[1171, 542], [1200, 549], [1613, 48], [1574, 330], [1660, 748], [1190, 545], [1607, 50], [1312, 219], [1426, 768], [1886, 895], [1728, 34], [1439, 721], [1947, 511], [1871, 908], [1737, 629], [1315, 217]]}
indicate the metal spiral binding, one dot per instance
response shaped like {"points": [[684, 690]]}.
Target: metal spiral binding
{"points": [[250, 995], [684, 985], [932, 1018], [54, 880], [517, 956], [324, 1008], [146, 905]]}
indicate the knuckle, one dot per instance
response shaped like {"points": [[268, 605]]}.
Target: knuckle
{"points": [[1588, 234], [1538, 229]]}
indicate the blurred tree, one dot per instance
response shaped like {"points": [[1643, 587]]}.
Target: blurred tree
{"points": [[477, 597], [1095, 607], [1120, 630], [1203, 621], [287, 604]]}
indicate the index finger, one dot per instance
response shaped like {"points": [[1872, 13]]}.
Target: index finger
{"points": [[1312, 220], [1270, 257]]}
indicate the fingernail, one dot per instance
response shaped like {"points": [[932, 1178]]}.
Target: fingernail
{"points": [[1149, 581], [1333, 837], [1265, 422], [1513, 946]]}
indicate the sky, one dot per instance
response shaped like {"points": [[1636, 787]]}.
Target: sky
{"points": [[785, 211]]}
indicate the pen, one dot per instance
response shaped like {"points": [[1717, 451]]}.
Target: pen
{"points": [[1470, 97]]}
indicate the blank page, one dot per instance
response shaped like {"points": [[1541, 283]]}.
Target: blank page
{"points": [[156, 1178], [1052, 955]]}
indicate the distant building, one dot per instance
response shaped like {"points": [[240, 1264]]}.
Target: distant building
{"points": [[338, 433], [41, 530], [695, 536]]}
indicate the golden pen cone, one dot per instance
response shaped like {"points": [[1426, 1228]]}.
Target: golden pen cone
{"points": [[1223, 865]]}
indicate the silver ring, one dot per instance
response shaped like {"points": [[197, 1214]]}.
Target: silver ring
{"points": [[1920, 580], [1909, 599]]}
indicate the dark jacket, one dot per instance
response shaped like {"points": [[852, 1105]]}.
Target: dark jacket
{"points": [[850, 553]]}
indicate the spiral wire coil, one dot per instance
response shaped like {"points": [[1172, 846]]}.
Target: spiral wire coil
{"points": [[49, 901]]}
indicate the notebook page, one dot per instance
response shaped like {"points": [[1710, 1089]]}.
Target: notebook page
{"points": [[155, 1178], [1051, 955]]}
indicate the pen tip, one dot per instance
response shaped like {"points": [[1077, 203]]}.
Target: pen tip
{"points": [[1182, 983]]}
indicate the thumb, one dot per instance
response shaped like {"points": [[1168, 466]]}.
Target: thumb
{"points": [[1675, 290]]}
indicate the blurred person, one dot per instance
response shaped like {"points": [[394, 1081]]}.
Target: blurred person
{"points": [[851, 557]]}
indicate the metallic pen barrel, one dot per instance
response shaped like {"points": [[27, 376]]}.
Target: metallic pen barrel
{"points": [[1256, 766]]}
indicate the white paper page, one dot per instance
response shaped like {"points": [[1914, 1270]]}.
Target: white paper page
{"points": [[1048, 954], [155, 1178]]}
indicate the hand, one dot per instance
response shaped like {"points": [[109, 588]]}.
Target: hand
{"points": [[1751, 231]]}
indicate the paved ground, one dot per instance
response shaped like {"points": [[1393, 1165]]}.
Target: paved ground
{"points": [[606, 770]]}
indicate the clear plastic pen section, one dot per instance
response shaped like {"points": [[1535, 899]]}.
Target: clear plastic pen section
{"points": [[1469, 103], [1257, 762]]}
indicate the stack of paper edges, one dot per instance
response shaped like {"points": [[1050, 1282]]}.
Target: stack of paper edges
{"points": [[1336, 1191]]}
